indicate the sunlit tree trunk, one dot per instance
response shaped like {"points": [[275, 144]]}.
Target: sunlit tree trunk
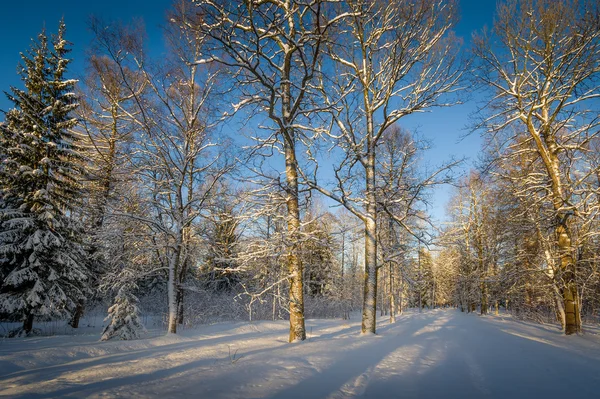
{"points": [[369, 312], [569, 288], [297, 327], [392, 293], [400, 294]]}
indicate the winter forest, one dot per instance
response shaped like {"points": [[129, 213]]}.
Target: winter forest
{"points": [[250, 206]]}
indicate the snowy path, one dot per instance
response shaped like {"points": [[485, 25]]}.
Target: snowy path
{"points": [[437, 354]]}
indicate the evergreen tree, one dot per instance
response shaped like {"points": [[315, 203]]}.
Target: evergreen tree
{"points": [[42, 255], [124, 316]]}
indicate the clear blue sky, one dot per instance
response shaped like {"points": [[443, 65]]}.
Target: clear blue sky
{"points": [[22, 20]]}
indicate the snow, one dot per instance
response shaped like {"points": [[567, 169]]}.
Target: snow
{"points": [[436, 354]]}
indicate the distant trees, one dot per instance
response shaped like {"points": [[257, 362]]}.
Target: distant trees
{"points": [[474, 236], [446, 265], [109, 134]]}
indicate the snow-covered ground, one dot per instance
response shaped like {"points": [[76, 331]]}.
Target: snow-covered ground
{"points": [[436, 354]]}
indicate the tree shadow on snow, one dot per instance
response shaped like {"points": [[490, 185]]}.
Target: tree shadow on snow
{"points": [[428, 355]]}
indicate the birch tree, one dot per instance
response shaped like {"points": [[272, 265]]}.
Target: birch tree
{"points": [[175, 161], [542, 63]]}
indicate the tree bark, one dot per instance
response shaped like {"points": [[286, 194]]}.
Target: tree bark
{"points": [[171, 288], [419, 285], [560, 306], [484, 302], [180, 306], [392, 295], [548, 149], [400, 294], [382, 296], [482, 270], [568, 288], [297, 328], [369, 312]]}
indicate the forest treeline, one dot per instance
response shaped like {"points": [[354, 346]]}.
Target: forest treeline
{"points": [[127, 189]]}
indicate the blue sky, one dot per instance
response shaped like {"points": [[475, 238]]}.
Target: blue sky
{"points": [[22, 20]]}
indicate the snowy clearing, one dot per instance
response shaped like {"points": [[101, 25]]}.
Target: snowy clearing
{"points": [[441, 353]]}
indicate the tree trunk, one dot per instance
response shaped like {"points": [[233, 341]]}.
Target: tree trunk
{"points": [[172, 292], [419, 283], [569, 291], [382, 304], [180, 306], [549, 150], [74, 322], [343, 281], [392, 295], [571, 307], [400, 294], [177, 273], [484, 302], [369, 312], [392, 292], [296, 294], [28, 323], [297, 328]]}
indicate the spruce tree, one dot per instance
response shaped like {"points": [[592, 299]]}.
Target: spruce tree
{"points": [[124, 315], [42, 255]]}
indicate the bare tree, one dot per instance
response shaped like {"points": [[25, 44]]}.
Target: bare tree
{"points": [[108, 135], [390, 59], [273, 50], [109, 130], [175, 162], [542, 62]]}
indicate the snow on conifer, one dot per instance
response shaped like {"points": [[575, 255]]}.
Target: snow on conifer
{"points": [[42, 254], [124, 316]]}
